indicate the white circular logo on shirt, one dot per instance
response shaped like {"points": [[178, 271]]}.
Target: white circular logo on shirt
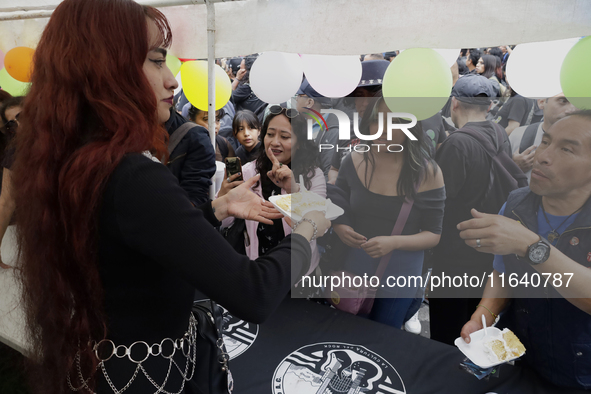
{"points": [[335, 368]]}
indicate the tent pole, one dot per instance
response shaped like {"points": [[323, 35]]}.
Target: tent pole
{"points": [[211, 78]]}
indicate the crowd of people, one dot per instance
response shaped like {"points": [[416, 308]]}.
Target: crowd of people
{"points": [[110, 175]]}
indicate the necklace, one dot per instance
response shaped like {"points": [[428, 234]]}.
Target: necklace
{"points": [[554, 234]]}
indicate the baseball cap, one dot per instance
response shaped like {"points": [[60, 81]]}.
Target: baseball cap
{"points": [[234, 64], [372, 72], [308, 90], [473, 89]]}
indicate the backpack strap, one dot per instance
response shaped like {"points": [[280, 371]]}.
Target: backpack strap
{"points": [[529, 136], [531, 112], [178, 135]]}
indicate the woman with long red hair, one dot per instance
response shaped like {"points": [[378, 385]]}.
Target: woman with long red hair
{"points": [[110, 247]]}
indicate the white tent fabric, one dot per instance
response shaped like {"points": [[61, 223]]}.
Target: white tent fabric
{"points": [[343, 27]]}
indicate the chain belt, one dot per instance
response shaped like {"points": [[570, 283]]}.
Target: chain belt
{"points": [[105, 349]]}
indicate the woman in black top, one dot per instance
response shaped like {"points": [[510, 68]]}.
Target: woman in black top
{"points": [[377, 183], [111, 248], [490, 67]]}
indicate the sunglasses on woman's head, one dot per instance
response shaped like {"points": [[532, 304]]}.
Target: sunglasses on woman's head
{"points": [[289, 112]]}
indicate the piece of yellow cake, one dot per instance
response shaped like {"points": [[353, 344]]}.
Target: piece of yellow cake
{"points": [[301, 203], [498, 348], [514, 345], [507, 347]]}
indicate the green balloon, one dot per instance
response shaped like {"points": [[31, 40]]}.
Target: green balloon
{"points": [[12, 86], [575, 78], [174, 64], [418, 81]]}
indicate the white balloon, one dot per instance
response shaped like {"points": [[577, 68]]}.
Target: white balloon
{"points": [[533, 69], [275, 77], [450, 55], [332, 76]]}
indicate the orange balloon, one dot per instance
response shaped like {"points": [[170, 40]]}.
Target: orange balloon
{"points": [[19, 63]]}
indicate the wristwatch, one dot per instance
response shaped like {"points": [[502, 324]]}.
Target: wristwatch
{"points": [[538, 252]]}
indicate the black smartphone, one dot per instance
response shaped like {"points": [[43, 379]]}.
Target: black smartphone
{"points": [[233, 166]]}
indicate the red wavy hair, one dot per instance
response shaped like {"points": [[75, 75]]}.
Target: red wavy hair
{"points": [[89, 105]]}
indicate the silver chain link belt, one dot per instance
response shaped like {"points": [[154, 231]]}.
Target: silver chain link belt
{"points": [[186, 344]]}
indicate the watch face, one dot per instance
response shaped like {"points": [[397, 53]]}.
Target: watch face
{"points": [[537, 254]]}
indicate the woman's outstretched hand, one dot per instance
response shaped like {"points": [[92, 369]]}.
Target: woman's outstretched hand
{"points": [[242, 203]]}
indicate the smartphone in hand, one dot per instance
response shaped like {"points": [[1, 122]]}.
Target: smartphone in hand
{"points": [[233, 166]]}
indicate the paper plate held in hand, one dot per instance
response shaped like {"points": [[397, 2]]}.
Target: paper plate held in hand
{"points": [[497, 347], [296, 205]]}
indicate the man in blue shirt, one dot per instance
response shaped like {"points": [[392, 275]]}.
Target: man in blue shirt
{"points": [[542, 239]]}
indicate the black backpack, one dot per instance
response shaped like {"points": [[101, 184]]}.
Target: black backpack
{"points": [[212, 374], [529, 136], [505, 175]]}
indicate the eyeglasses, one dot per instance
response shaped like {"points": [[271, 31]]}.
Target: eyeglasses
{"points": [[289, 112], [12, 125]]}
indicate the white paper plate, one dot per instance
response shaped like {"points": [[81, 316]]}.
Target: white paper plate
{"points": [[475, 349], [333, 211]]}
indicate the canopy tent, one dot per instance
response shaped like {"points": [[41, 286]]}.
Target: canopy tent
{"points": [[225, 28], [335, 27]]}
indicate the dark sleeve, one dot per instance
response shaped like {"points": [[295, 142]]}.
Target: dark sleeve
{"points": [[209, 214], [241, 93], [342, 191], [431, 204], [199, 166], [452, 162], [518, 110], [156, 218]]}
